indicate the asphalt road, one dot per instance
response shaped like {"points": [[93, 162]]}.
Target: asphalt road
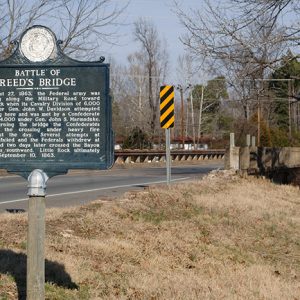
{"points": [[80, 187]]}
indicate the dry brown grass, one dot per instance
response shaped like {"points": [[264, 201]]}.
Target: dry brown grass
{"points": [[220, 238]]}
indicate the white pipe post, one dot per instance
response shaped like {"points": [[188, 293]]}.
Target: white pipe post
{"points": [[168, 156], [36, 236]]}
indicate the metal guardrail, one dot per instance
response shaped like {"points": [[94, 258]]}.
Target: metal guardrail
{"points": [[140, 156]]}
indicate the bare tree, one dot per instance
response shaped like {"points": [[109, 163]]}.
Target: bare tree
{"points": [[251, 9], [16, 16], [138, 79], [85, 25], [129, 89], [231, 42], [119, 94], [187, 70], [81, 24], [219, 39], [155, 63]]}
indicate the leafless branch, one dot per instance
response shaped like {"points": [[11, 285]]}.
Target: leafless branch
{"points": [[83, 25]]}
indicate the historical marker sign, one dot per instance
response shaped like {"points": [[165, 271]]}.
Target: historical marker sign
{"points": [[55, 112]]}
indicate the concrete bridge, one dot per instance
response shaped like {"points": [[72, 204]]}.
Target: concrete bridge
{"points": [[140, 156], [280, 164]]}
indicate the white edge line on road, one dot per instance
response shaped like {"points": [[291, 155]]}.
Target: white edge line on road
{"points": [[99, 189]]}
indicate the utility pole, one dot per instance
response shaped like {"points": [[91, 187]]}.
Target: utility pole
{"points": [[257, 86], [181, 90], [290, 114], [193, 120], [181, 114], [200, 115], [187, 118], [294, 105]]}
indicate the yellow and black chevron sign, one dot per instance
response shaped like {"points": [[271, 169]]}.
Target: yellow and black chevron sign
{"points": [[167, 106]]}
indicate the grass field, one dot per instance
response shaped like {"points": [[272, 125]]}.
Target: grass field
{"points": [[223, 237]]}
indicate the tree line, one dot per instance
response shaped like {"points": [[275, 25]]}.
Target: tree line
{"points": [[239, 72]]}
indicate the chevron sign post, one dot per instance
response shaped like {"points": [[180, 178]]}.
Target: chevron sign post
{"points": [[167, 119]]}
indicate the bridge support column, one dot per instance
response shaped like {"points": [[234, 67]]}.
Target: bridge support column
{"points": [[120, 160], [232, 158], [244, 160]]}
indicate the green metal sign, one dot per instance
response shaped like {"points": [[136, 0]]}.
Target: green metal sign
{"points": [[55, 112]]}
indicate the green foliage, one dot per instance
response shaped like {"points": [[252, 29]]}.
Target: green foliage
{"points": [[137, 139], [282, 115], [290, 68], [197, 94], [279, 138], [214, 120], [213, 93], [269, 136], [225, 122], [295, 138], [216, 89]]}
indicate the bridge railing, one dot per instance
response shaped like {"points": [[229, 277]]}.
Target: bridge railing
{"points": [[149, 156]]}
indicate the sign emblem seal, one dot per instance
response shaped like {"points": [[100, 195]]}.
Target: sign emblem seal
{"points": [[37, 44]]}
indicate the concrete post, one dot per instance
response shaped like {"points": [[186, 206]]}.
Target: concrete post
{"points": [[36, 235], [232, 143], [248, 142], [232, 155], [253, 142], [244, 160]]}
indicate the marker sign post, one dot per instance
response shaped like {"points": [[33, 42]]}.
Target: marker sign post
{"points": [[167, 120], [55, 115]]}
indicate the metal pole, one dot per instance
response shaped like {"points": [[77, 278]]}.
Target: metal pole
{"points": [[193, 121], [290, 113], [200, 115], [258, 120], [36, 235], [182, 117], [168, 156], [187, 119]]}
